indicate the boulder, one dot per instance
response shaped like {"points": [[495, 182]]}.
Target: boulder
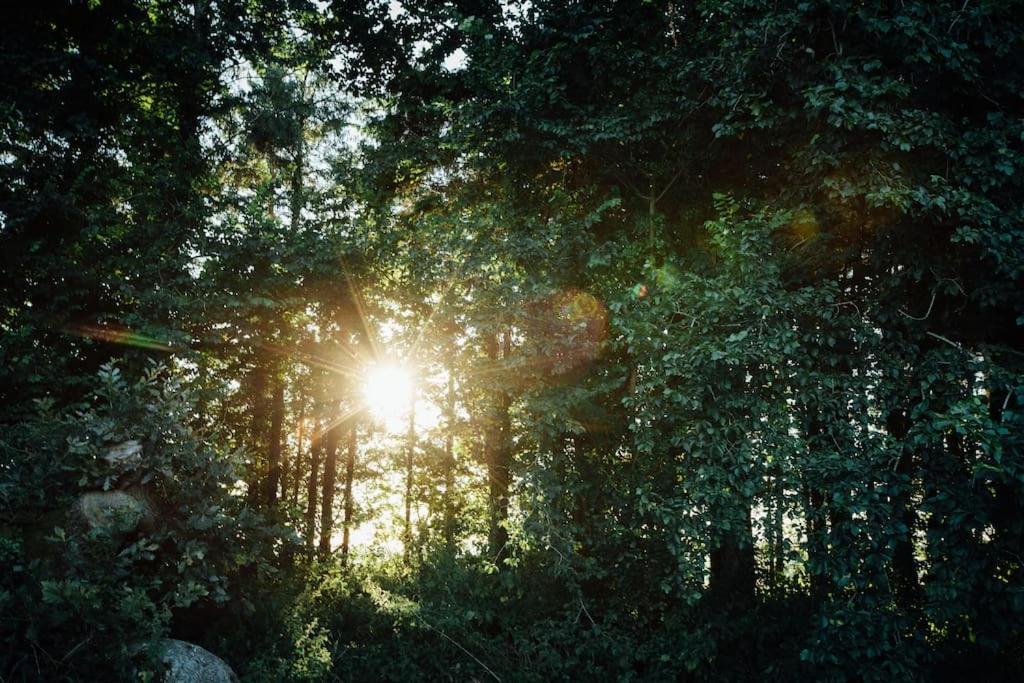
{"points": [[118, 512], [124, 455], [188, 663]]}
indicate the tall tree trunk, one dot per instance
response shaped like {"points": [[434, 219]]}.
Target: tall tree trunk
{"points": [[732, 566], [190, 84], [350, 468], [778, 567], [330, 476], [815, 510], [313, 485], [257, 430], [274, 452], [299, 460], [732, 580], [410, 452], [296, 192], [497, 453], [775, 532], [817, 542], [906, 590], [449, 467], [1008, 513]]}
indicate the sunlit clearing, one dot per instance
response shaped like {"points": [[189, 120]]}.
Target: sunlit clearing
{"points": [[387, 393]]}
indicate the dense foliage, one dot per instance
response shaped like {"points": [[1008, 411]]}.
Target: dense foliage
{"points": [[714, 312]]}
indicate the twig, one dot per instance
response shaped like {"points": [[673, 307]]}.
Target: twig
{"points": [[955, 282], [630, 185], [849, 303], [945, 339], [459, 645], [587, 612], [497, 555], [670, 184], [835, 41], [927, 313], [74, 650], [957, 17], [798, 244]]}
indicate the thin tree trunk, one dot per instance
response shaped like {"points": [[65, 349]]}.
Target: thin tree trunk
{"points": [[313, 485], [497, 452], [350, 467], [774, 533], [409, 453], [274, 453], [296, 200], [816, 514], [817, 553], [449, 467], [297, 192], [1009, 504], [298, 463], [906, 589], [257, 429], [330, 476], [778, 566]]}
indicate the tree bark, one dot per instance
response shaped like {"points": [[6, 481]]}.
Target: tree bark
{"points": [[815, 512], [732, 566], [297, 193], [497, 453], [313, 485], [1008, 511], [350, 467], [905, 586], [190, 83], [409, 453], [776, 558], [297, 464], [817, 531], [257, 429], [330, 476], [449, 467], [274, 452]]}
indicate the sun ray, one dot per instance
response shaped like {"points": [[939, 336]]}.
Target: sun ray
{"points": [[496, 367], [339, 420], [310, 359], [357, 299], [449, 286]]}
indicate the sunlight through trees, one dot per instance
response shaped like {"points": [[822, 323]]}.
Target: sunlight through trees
{"points": [[521, 340], [389, 392]]}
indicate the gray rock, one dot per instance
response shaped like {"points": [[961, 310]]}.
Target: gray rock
{"points": [[188, 663], [125, 454], [116, 511]]}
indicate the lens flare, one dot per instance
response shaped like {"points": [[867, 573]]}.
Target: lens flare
{"points": [[117, 335]]}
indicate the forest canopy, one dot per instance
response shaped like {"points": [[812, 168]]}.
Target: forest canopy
{"points": [[515, 340]]}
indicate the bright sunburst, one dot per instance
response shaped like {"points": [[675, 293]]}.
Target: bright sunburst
{"points": [[387, 393]]}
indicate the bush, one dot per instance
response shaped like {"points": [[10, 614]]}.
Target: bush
{"points": [[81, 599]]}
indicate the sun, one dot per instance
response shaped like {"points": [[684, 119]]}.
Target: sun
{"points": [[388, 393]]}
